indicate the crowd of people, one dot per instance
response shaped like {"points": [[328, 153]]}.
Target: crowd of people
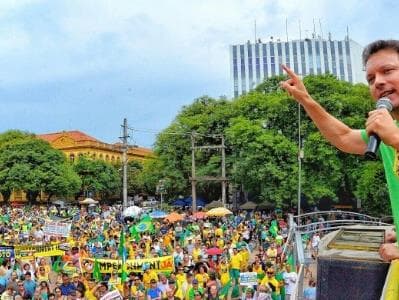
{"points": [[210, 256]]}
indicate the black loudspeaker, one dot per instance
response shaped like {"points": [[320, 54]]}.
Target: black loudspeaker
{"points": [[347, 279], [349, 267]]}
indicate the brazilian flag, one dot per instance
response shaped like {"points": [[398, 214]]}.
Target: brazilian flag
{"points": [[122, 251], [145, 224]]}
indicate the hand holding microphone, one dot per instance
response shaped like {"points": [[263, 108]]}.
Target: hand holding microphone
{"points": [[374, 139]]}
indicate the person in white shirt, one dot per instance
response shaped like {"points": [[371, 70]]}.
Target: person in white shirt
{"points": [[290, 279]]}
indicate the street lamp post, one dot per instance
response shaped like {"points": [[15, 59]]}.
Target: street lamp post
{"points": [[161, 189], [300, 157]]}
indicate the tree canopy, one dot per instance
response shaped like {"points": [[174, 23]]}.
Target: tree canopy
{"points": [[32, 165], [261, 131]]}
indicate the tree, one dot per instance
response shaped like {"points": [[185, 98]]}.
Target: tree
{"points": [[98, 177], [32, 165], [261, 130]]}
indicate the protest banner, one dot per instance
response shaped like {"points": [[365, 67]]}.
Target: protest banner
{"points": [[6, 252], [159, 264], [30, 252], [248, 278], [59, 229], [114, 295]]}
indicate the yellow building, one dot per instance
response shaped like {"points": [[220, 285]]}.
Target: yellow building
{"points": [[76, 143]]}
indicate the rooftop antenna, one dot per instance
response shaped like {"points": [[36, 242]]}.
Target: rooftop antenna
{"points": [[286, 28], [347, 32], [321, 29], [255, 30], [314, 30], [300, 31]]}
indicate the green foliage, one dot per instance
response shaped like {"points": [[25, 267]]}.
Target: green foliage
{"points": [[261, 130], [98, 177], [32, 165], [372, 189]]}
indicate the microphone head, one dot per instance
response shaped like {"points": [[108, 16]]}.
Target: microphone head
{"points": [[384, 102]]}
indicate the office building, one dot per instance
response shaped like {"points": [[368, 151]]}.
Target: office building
{"points": [[251, 63]]}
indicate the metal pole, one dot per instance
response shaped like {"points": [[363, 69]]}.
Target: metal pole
{"points": [[161, 199], [193, 179], [124, 161], [223, 173], [299, 160]]}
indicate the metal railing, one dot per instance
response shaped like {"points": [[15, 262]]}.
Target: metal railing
{"points": [[340, 219]]}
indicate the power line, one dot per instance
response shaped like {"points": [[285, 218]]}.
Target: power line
{"points": [[153, 131]]}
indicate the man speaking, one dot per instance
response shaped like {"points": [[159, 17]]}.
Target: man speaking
{"points": [[381, 60]]}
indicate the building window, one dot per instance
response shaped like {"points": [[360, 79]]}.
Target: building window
{"points": [[280, 58], [295, 53], [71, 157], [100, 156], [310, 57], [303, 60], [264, 54], [250, 68], [235, 69], [272, 62], [326, 67], [318, 60], [333, 59], [287, 55], [257, 62], [341, 61], [242, 58], [348, 61]]}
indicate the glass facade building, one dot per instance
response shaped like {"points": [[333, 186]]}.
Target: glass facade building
{"points": [[251, 63]]}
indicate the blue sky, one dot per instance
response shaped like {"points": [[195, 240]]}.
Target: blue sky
{"points": [[87, 64]]}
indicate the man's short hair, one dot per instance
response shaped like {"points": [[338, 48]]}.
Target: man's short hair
{"points": [[378, 45]]}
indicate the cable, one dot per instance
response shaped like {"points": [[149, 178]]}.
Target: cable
{"points": [[153, 131]]}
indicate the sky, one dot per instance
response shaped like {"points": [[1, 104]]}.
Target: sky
{"points": [[87, 64]]}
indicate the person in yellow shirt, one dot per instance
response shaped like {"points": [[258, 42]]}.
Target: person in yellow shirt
{"points": [[91, 288], [180, 276], [196, 251], [220, 243], [272, 252], [235, 264], [148, 275], [219, 232], [224, 272], [202, 277], [258, 268], [270, 281], [245, 258]]}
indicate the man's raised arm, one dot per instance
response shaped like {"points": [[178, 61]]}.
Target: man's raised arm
{"points": [[336, 132]]}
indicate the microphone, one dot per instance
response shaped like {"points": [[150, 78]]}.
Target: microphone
{"points": [[374, 140]]}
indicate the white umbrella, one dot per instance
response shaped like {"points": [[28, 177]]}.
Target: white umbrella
{"points": [[132, 211], [88, 201]]}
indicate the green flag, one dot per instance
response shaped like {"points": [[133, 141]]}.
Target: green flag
{"points": [[225, 290], [145, 225], [96, 270], [133, 232], [291, 262], [273, 228], [57, 265], [123, 254]]}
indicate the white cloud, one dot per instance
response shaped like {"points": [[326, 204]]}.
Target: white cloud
{"points": [[74, 38]]}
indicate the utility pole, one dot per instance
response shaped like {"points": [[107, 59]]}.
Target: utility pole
{"points": [[300, 156], [223, 173], [194, 178], [124, 163]]}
